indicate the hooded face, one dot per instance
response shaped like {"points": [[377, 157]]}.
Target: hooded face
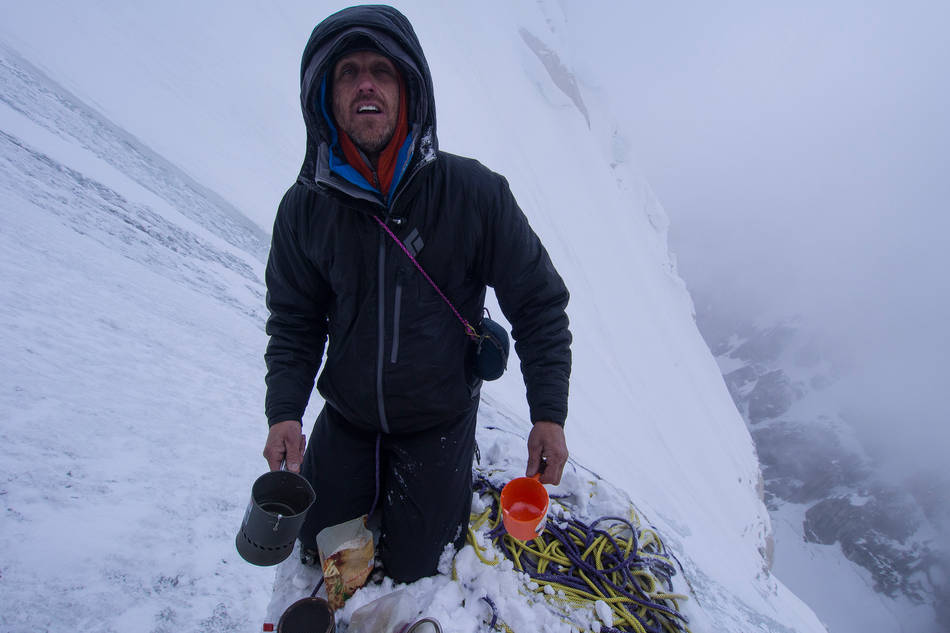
{"points": [[383, 30], [366, 99]]}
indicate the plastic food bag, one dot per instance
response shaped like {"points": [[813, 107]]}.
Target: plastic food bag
{"points": [[346, 555], [392, 613]]}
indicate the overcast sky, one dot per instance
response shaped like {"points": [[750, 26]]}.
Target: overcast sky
{"points": [[801, 151]]}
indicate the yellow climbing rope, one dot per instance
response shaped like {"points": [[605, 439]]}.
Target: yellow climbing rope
{"points": [[580, 564]]}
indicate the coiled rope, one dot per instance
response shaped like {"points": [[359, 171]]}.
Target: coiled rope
{"points": [[612, 559]]}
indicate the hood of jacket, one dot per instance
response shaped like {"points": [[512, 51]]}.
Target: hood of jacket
{"points": [[391, 32]]}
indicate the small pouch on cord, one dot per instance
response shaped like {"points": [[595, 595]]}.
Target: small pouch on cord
{"points": [[490, 355]]}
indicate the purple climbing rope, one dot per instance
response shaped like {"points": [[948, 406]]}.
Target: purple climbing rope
{"points": [[494, 612], [616, 573]]}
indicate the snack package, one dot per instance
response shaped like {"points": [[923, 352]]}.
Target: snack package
{"points": [[346, 555]]}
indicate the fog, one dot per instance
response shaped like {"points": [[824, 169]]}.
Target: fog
{"points": [[802, 152]]}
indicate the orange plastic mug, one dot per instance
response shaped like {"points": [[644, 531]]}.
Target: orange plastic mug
{"points": [[524, 507]]}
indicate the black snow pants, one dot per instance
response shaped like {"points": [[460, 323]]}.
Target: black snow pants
{"points": [[423, 481]]}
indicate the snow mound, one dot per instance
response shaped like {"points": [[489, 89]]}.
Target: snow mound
{"points": [[479, 585]]}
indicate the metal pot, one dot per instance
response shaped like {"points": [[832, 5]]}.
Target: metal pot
{"points": [[279, 503]]}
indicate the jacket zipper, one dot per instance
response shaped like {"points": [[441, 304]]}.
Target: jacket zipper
{"points": [[381, 329], [381, 332], [381, 298]]}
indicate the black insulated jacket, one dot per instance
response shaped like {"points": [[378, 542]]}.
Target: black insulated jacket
{"points": [[397, 355]]}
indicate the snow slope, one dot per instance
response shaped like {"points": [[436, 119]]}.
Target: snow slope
{"points": [[126, 326], [131, 416]]}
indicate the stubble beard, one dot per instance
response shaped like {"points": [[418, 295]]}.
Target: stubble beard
{"points": [[370, 141]]}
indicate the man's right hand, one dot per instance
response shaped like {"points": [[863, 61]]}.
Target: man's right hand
{"points": [[285, 441]]}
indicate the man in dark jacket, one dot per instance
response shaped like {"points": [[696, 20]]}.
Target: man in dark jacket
{"points": [[398, 428]]}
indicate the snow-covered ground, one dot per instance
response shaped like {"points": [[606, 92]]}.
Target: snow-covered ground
{"points": [[131, 315], [131, 337]]}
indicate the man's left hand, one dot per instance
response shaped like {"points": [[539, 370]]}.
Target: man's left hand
{"points": [[547, 440]]}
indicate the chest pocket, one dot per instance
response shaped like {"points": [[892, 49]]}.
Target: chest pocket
{"points": [[400, 291]]}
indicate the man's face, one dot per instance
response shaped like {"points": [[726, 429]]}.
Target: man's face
{"points": [[366, 99]]}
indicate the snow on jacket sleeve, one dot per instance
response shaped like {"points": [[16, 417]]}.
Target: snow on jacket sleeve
{"points": [[297, 297], [533, 297]]}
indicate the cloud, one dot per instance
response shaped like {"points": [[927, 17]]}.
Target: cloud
{"points": [[801, 153]]}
